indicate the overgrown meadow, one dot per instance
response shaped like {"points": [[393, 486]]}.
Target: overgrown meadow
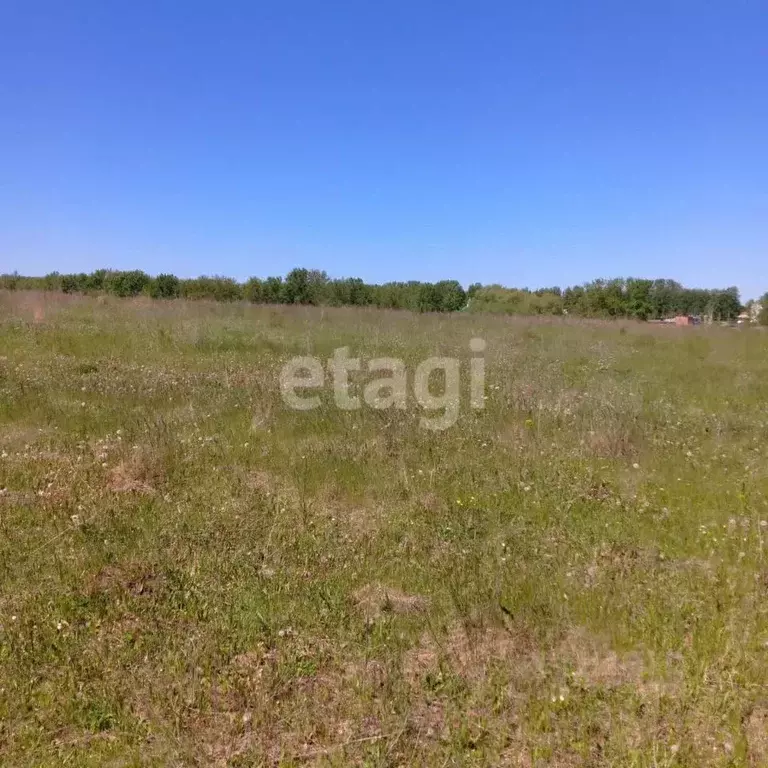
{"points": [[191, 573]]}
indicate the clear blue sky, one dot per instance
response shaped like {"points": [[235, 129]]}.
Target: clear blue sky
{"points": [[532, 143]]}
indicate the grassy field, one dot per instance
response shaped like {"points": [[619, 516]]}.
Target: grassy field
{"points": [[191, 573]]}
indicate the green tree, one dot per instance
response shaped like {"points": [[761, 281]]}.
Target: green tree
{"points": [[9, 282], [296, 288], [639, 298], [451, 297], [124, 284], [318, 291], [164, 286], [212, 288], [762, 315], [253, 290], [473, 289], [272, 290], [726, 304], [69, 284], [52, 282], [429, 298]]}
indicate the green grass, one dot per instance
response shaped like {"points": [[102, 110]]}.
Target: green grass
{"points": [[192, 574]]}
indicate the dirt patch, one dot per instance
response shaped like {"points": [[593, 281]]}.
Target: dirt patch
{"points": [[358, 521], [135, 578], [596, 665], [17, 436], [756, 731], [472, 652], [376, 600], [610, 444], [271, 702], [263, 482], [586, 659], [614, 561], [429, 502], [140, 473]]}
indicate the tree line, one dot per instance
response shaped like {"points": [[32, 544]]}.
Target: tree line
{"points": [[627, 298], [631, 297], [299, 286]]}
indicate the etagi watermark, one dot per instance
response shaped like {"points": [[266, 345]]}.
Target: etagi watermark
{"points": [[387, 391]]}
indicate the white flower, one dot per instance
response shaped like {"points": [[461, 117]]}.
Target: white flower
{"points": [[635, 466]]}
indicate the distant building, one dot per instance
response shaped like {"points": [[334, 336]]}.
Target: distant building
{"points": [[683, 320]]}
